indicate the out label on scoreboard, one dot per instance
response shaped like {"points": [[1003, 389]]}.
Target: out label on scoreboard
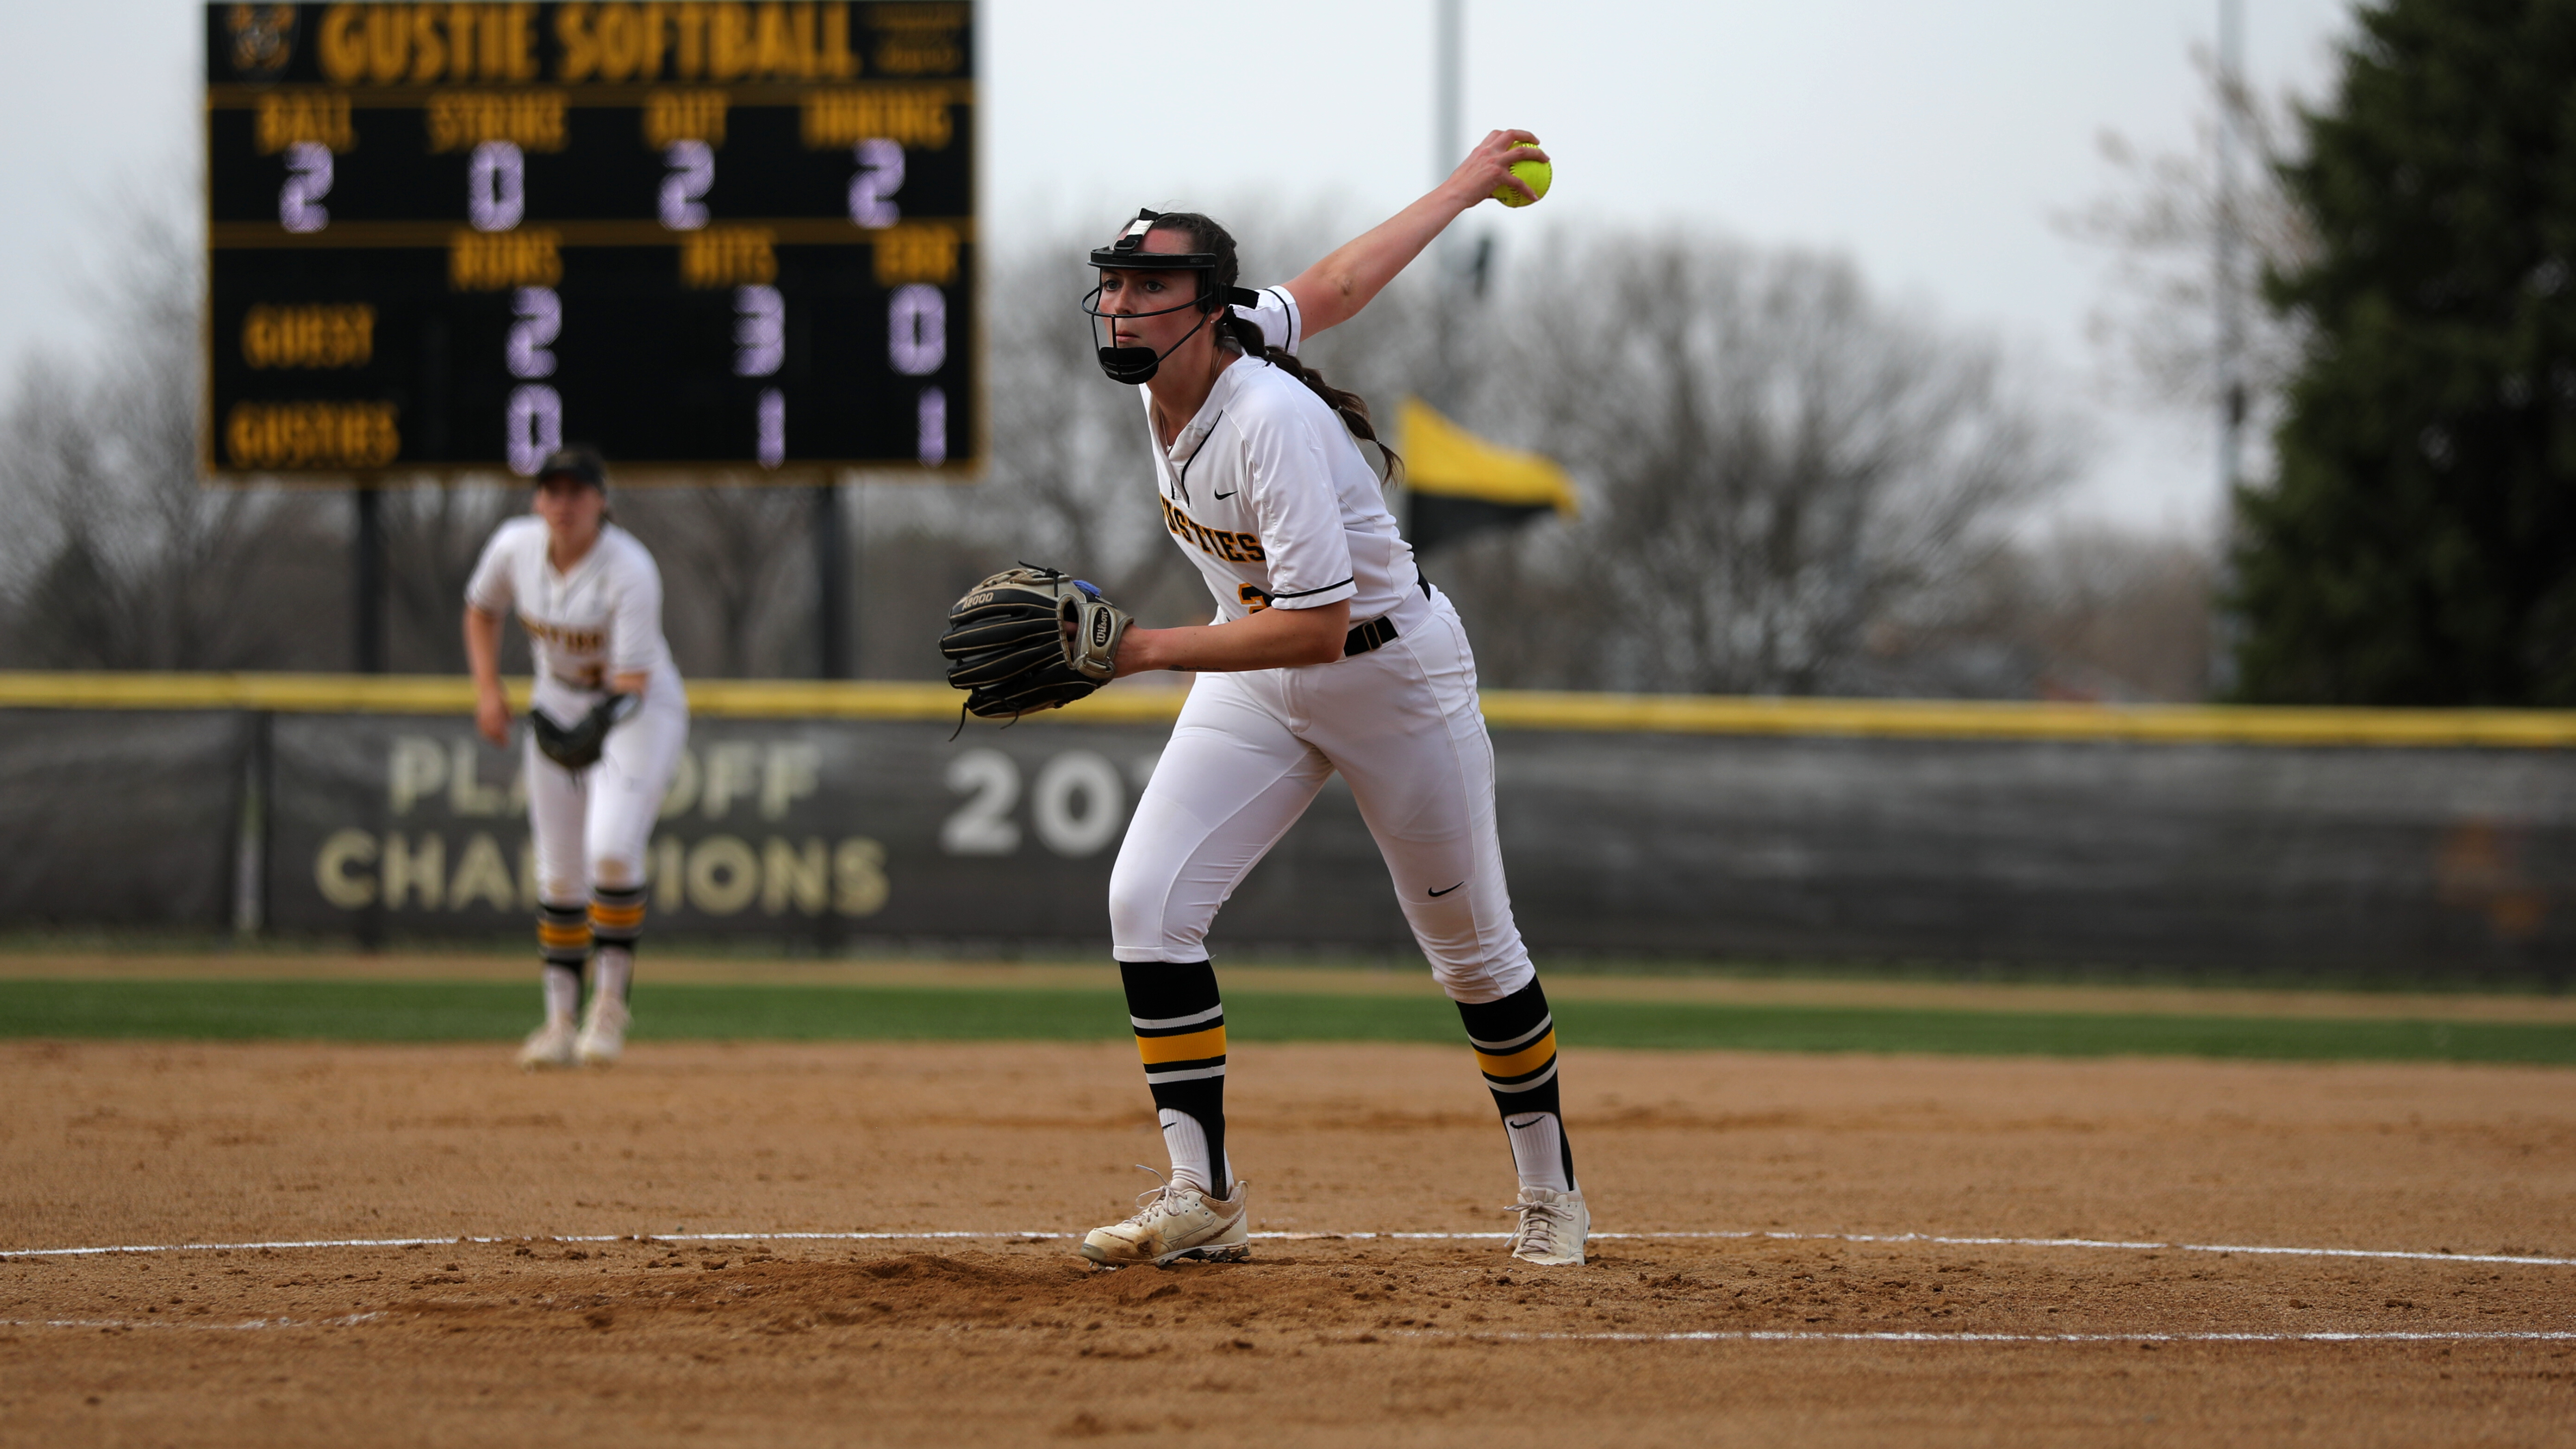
{"points": [[737, 234]]}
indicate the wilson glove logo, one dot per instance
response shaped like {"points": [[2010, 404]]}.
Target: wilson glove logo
{"points": [[1100, 631]]}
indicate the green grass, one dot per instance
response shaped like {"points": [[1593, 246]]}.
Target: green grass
{"points": [[488, 1011]]}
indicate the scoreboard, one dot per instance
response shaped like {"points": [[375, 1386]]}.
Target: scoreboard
{"points": [[737, 234]]}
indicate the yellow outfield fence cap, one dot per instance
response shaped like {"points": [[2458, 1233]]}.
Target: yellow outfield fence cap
{"points": [[1446, 460], [1508, 709], [452, 694]]}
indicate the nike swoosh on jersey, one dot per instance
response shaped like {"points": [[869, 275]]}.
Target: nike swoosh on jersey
{"points": [[1229, 495], [1446, 889]]}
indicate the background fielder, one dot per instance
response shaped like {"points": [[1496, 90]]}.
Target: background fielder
{"points": [[590, 598], [1265, 487]]}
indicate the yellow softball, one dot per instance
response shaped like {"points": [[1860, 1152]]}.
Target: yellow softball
{"points": [[1534, 174]]}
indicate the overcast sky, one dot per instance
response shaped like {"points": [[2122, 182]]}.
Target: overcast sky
{"points": [[1931, 142]]}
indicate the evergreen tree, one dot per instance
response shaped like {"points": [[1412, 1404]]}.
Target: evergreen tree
{"points": [[2419, 544]]}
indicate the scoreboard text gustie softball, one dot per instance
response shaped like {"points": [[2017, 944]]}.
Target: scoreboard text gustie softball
{"points": [[725, 234]]}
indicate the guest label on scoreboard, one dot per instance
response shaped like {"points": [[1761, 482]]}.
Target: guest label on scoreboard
{"points": [[727, 236]]}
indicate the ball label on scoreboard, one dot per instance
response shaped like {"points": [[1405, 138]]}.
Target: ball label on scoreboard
{"points": [[699, 234]]}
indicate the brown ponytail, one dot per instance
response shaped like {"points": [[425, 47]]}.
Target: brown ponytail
{"points": [[1242, 334]]}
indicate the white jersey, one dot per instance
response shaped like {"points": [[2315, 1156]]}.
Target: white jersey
{"points": [[1271, 497], [602, 619]]}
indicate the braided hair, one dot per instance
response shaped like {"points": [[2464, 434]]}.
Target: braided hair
{"points": [[1243, 335]]}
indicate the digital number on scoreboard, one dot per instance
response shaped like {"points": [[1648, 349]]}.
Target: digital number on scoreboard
{"points": [[726, 235]]}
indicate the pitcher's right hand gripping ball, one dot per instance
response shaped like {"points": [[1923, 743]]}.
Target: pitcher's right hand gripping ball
{"points": [[1028, 639]]}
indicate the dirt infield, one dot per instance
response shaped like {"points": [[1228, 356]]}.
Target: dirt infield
{"points": [[711, 1323]]}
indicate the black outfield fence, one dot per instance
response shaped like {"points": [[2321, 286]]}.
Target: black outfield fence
{"points": [[2274, 840]]}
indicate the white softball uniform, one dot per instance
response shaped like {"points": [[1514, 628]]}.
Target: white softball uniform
{"points": [[1272, 498], [600, 619]]}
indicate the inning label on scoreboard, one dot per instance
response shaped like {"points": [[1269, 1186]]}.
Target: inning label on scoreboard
{"points": [[733, 234]]}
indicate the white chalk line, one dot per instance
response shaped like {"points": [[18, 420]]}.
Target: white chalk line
{"points": [[2530, 1260], [247, 1325], [1045, 1235], [1683, 1337], [469, 1241], [2504, 1335]]}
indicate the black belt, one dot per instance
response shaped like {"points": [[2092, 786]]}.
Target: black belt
{"points": [[1368, 636], [1377, 631]]}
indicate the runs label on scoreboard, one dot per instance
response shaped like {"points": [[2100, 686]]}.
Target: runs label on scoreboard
{"points": [[737, 234]]}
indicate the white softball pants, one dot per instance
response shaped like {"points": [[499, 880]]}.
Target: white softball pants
{"points": [[591, 827], [1252, 749]]}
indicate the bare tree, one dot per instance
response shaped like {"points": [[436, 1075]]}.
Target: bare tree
{"points": [[911, 568], [1775, 461], [2157, 225], [434, 533], [2075, 612], [738, 585], [112, 553], [2120, 616]]}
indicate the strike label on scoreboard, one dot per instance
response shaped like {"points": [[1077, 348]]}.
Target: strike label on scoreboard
{"points": [[735, 234]]}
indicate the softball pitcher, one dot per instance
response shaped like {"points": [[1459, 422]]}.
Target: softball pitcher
{"points": [[604, 735], [1329, 652]]}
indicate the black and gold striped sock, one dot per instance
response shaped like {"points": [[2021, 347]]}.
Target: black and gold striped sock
{"points": [[563, 943], [1180, 1034], [617, 921], [1515, 1042]]}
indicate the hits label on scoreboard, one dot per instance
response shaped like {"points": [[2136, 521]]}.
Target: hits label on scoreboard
{"points": [[698, 234]]}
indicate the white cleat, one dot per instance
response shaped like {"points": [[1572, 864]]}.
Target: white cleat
{"points": [[603, 1031], [1553, 1227], [1176, 1220], [549, 1046]]}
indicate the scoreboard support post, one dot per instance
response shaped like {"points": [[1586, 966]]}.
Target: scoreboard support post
{"points": [[831, 584], [367, 579]]}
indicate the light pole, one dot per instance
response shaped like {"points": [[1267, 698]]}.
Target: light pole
{"points": [[2230, 281], [1448, 80], [2226, 630]]}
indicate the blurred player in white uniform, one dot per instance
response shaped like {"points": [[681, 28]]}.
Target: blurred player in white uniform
{"points": [[590, 598], [1329, 653]]}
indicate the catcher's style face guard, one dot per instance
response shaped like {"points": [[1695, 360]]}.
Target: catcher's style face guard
{"points": [[1139, 364]]}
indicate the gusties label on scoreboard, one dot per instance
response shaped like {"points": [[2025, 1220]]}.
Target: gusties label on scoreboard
{"points": [[725, 236]]}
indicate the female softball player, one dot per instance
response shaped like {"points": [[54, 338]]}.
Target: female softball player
{"points": [[1329, 653], [603, 738]]}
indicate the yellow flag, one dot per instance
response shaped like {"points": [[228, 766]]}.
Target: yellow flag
{"points": [[1445, 460]]}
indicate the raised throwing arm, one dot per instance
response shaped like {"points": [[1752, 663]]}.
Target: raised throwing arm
{"points": [[1334, 290]]}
